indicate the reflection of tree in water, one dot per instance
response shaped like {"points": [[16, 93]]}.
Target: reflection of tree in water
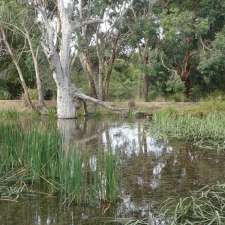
{"points": [[46, 211], [132, 143], [151, 169]]}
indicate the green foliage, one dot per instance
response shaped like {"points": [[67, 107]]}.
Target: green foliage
{"points": [[125, 80], [173, 30], [195, 125], [174, 85], [212, 63], [33, 93], [4, 95]]}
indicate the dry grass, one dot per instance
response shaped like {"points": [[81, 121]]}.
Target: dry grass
{"points": [[19, 106], [154, 106]]}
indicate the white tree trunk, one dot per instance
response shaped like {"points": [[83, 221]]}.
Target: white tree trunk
{"points": [[65, 101]]}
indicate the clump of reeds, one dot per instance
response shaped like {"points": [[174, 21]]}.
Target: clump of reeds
{"points": [[40, 154], [205, 131]]}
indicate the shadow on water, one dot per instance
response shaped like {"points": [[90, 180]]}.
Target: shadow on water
{"points": [[150, 172]]}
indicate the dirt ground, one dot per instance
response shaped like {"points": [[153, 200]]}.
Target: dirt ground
{"points": [[19, 106]]}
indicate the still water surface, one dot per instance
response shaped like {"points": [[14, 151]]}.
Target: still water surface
{"points": [[152, 170]]}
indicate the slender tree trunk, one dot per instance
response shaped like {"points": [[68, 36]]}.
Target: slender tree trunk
{"points": [[58, 51], [187, 87], [110, 68], [140, 86], [146, 76], [37, 72], [100, 81], [23, 83], [146, 87], [144, 79], [87, 67]]}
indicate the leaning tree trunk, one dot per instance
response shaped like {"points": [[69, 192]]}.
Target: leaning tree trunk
{"points": [[37, 72], [22, 80], [87, 67]]}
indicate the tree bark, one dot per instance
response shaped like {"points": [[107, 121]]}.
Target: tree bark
{"points": [[65, 104], [59, 55]]}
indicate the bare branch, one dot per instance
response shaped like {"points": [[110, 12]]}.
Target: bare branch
{"points": [[166, 67]]}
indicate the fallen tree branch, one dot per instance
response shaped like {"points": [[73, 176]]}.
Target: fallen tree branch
{"points": [[81, 96]]}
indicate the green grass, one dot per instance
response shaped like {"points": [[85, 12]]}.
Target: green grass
{"points": [[39, 153], [9, 114], [205, 107], [204, 131]]}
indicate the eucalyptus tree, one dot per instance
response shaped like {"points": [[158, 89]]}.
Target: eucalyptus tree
{"points": [[182, 34], [189, 49], [60, 26], [7, 16], [101, 41], [143, 26], [16, 22], [212, 63]]}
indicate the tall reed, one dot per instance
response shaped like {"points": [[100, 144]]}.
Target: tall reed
{"points": [[40, 154]]}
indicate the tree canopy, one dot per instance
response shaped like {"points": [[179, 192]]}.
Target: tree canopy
{"points": [[119, 49]]}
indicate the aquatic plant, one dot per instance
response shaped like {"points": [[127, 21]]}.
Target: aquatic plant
{"points": [[39, 153], [205, 206], [202, 207], [204, 131]]}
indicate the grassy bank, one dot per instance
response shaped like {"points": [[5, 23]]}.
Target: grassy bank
{"points": [[202, 125], [35, 161]]}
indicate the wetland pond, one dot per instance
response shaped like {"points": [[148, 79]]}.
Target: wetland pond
{"points": [[150, 171]]}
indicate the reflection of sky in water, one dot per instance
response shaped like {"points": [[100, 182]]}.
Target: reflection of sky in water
{"points": [[144, 209], [153, 171], [131, 141]]}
